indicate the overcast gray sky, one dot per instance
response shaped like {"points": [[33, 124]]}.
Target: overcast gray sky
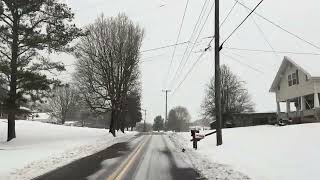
{"points": [[161, 26]]}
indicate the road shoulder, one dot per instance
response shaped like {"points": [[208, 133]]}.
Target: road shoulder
{"points": [[209, 170]]}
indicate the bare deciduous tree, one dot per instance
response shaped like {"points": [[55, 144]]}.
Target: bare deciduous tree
{"points": [[107, 67], [234, 97], [63, 100]]}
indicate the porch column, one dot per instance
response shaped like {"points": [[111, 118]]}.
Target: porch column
{"points": [[303, 103], [316, 100], [288, 106], [278, 107]]}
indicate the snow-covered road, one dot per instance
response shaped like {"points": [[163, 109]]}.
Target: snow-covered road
{"points": [[149, 156], [162, 160]]}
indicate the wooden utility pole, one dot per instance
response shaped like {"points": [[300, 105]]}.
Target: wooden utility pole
{"points": [[166, 115], [217, 78]]}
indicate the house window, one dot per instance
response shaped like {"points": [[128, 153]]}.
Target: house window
{"points": [[290, 80], [294, 79], [307, 79]]}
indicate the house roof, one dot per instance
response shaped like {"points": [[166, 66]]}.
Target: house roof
{"points": [[309, 64]]}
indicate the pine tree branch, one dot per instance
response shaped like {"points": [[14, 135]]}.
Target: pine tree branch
{"points": [[3, 53], [5, 21]]}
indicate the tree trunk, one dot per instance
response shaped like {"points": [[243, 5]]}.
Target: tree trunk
{"points": [[83, 122], [12, 107], [122, 126], [63, 120], [116, 119], [11, 127], [111, 128]]}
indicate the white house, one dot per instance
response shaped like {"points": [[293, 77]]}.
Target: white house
{"points": [[297, 84]]}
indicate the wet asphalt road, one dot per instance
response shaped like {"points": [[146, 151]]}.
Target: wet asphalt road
{"points": [[144, 157]]}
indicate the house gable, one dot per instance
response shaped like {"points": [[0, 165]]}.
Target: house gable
{"points": [[287, 62], [285, 90]]}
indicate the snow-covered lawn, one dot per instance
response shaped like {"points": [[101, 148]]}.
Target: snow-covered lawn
{"points": [[41, 147], [265, 152]]}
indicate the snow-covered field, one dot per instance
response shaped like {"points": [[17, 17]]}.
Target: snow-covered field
{"points": [[264, 152], [41, 147]]}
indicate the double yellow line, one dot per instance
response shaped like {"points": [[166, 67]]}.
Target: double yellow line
{"points": [[125, 166]]}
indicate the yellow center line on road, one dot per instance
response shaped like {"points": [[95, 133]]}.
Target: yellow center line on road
{"points": [[124, 167]]}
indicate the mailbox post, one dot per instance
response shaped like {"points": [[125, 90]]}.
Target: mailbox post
{"points": [[197, 137], [194, 140]]}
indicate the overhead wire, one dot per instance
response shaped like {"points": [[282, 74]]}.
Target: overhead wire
{"points": [[143, 60], [188, 57], [269, 51], [209, 44], [242, 63], [175, 47], [190, 70], [170, 45], [164, 47], [253, 50], [228, 37], [223, 21], [261, 32], [228, 14], [265, 37], [280, 27], [195, 29]]}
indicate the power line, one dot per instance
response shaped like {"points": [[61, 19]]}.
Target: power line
{"points": [[280, 27], [149, 57], [164, 47], [195, 29], [224, 20], [143, 60], [242, 21], [269, 51], [170, 45], [175, 47], [188, 57], [265, 37], [258, 63], [190, 70], [242, 63]]}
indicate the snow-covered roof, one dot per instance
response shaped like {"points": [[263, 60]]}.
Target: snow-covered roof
{"points": [[309, 64]]}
